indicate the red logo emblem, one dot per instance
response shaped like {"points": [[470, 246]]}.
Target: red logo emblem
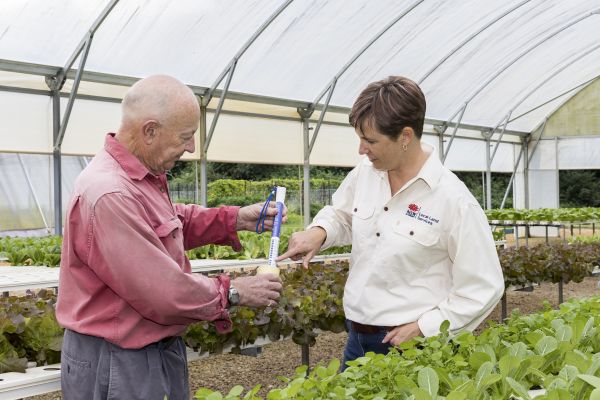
{"points": [[413, 207]]}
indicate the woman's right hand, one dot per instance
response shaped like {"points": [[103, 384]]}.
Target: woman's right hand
{"points": [[305, 245]]}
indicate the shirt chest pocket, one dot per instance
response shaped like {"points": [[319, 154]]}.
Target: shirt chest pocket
{"points": [[362, 220], [418, 244], [170, 233], [418, 234]]}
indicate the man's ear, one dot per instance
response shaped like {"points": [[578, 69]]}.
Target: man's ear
{"points": [[150, 131]]}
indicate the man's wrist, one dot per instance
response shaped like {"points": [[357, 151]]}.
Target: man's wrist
{"points": [[233, 296], [239, 224]]}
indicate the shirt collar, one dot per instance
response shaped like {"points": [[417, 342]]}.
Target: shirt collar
{"points": [[130, 163], [431, 171]]}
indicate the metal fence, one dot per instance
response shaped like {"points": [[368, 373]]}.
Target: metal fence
{"points": [[294, 197]]}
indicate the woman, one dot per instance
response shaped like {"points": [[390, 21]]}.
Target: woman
{"points": [[422, 250]]}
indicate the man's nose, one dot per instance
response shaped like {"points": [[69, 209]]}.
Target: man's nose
{"points": [[190, 146]]}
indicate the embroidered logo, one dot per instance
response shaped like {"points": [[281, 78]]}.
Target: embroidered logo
{"points": [[414, 211], [413, 207]]}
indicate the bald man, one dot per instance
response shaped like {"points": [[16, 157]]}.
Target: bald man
{"points": [[126, 288]]}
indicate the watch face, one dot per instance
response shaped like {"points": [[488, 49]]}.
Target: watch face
{"points": [[234, 296]]}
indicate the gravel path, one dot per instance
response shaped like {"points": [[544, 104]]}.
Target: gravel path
{"points": [[222, 372]]}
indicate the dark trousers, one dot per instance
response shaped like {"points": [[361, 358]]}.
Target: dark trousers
{"points": [[94, 369], [359, 344]]}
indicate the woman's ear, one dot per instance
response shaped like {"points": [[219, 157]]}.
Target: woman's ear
{"points": [[407, 135]]}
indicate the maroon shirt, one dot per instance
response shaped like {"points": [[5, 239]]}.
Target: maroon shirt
{"points": [[124, 274]]}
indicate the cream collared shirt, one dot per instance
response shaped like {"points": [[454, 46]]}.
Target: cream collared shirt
{"points": [[424, 254]]}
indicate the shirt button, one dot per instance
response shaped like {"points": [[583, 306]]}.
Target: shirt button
{"points": [[378, 234], [162, 190], [385, 208], [356, 209], [173, 235], [411, 233]]}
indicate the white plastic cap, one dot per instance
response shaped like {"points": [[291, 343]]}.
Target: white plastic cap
{"points": [[280, 196]]}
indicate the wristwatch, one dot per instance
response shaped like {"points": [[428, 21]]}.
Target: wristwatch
{"points": [[233, 296]]}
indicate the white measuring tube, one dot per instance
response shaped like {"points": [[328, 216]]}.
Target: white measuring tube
{"points": [[272, 268]]}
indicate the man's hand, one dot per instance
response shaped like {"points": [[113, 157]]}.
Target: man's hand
{"points": [[304, 245], [402, 333], [259, 290], [248, 216]]}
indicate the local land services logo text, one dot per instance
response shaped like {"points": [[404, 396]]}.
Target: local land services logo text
{"points": [[414, 211]]}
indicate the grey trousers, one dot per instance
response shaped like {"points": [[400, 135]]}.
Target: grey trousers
{"points": [[94, 369]]}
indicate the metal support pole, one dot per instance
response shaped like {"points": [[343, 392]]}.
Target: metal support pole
{"points": [[503, 308], [306, 170], [500, 136], [203, 156], [305, 355], [525, 142], [488, 171], [560, 293], [65, 120], [483, 188], [440, 129], [557, 175], [213, 123], [32, 189], [462, 112], [512, 177], [56, 163], [196, 194], [323, 111]]}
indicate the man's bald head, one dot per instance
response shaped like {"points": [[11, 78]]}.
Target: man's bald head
{"points": [[158, 97], [160, 116]]}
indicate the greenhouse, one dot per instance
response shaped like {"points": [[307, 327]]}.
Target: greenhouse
{"points": [[511, 87]]}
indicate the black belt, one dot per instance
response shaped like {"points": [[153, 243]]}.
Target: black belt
{"points": [[362, 328], [168, 341]]}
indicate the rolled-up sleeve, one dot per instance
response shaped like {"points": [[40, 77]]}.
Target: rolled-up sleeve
{"points": [[477, 281], [128, 256], [202, 225], [336, 219]]}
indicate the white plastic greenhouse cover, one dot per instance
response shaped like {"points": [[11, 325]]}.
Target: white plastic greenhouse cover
{"points": [[490, 55], [480, 63]]}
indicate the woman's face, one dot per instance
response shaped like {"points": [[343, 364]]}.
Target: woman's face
{"points": [[384, 152]]}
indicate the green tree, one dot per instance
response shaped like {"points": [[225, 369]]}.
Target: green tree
{"points": [[579, 188], [473, 181]]}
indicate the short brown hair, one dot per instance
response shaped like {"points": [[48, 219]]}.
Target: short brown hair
{"points": [[390, 105]]}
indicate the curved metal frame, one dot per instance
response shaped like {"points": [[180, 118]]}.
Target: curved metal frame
{"points": [[205, 137], [506, 118], [55, 84], [500, 70], [467, 40]]}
